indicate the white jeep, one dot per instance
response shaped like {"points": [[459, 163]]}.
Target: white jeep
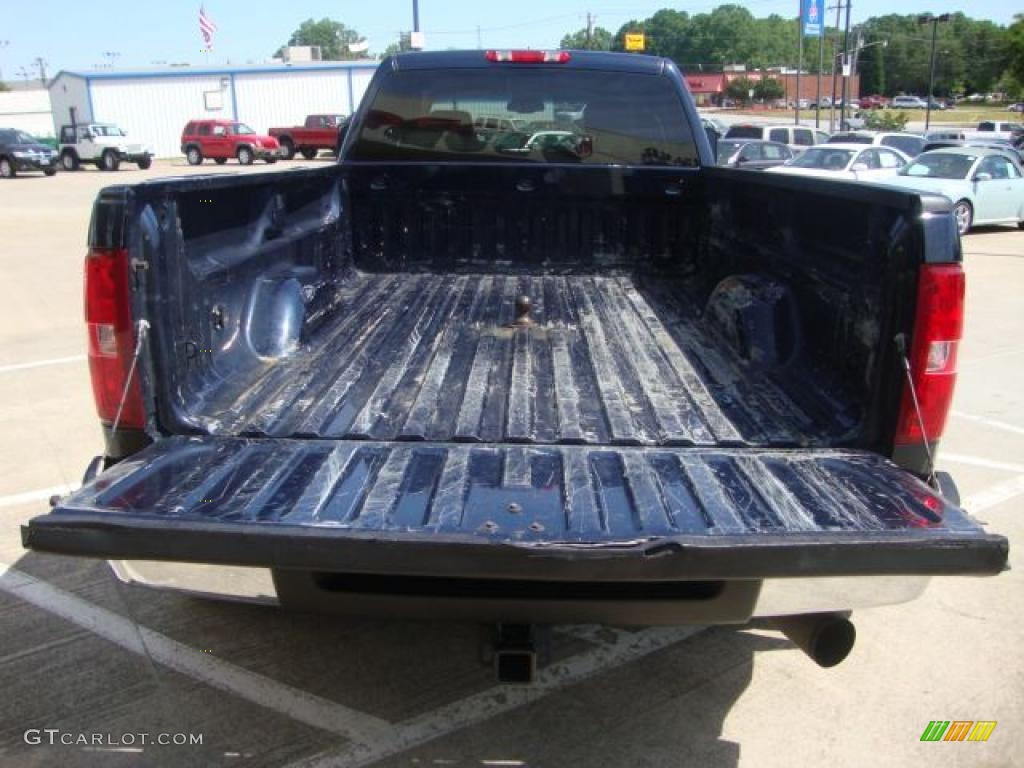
{"points": [[104, 144]]}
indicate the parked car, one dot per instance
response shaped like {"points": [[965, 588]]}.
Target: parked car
{"points": [[796, 136], [20, 152], [1018, 107], [222, 140], [490, 125], [1001, 129], [874, 101], [907, 102], [436, 379], [845, 161], [985, 185], [909, 144], [317, 132], [752, 154], [103, 144], [820, 137], [853, 122], [1003, 145]]}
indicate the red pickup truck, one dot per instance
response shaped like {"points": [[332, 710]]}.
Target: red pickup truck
{"points": [[318, 132]]}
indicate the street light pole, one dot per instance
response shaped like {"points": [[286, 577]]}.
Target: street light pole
{"points": [[927, 18]]}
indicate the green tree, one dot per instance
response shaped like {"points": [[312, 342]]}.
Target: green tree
{"points": [[1015, 49], [769, 89], [600, 40], [740, 88], [332, 36], [885, 120]]}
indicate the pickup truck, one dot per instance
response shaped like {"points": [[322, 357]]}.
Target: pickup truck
{"points": [[601, 381], [318, 132]]}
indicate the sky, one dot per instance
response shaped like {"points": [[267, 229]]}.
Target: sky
{"points": [[143, 33]]}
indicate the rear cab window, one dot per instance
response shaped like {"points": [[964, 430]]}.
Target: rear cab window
{"points": [[803, 137], [626, 118], [780, 135], [745, 132]]}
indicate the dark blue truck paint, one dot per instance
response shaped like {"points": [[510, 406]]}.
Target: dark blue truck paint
{"points": [[705, 388]]}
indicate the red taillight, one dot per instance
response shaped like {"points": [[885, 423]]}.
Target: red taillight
{"points": [[111, 337], [529, 57], [938, 327]]}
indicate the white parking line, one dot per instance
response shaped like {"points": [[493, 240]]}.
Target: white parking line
{"points": [[994, 495], [989, 422], [978, 461], [39, 494], [41, 363], [361, 728], [624, 648]]}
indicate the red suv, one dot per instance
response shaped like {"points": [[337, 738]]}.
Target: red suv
{"points": [[222, 139]]}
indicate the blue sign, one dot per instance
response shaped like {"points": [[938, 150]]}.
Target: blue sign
{"points": [[812, 16]]}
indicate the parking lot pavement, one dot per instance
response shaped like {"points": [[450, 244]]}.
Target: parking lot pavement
{"points": [[84, 654]]}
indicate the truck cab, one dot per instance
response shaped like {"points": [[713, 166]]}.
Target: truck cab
{"points": [[104, 144]]}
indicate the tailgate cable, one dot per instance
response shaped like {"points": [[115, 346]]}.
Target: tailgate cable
{"points": [[143, 326], [901, 347]]}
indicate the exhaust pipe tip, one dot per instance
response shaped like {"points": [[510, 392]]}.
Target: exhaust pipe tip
{"points": [[827, 638]]}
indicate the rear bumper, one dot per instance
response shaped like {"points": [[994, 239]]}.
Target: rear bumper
{"points": [[703, 603]]}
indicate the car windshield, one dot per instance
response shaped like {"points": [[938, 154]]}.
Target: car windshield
{"points": [[629, 119], [106, 130], [11, 136], [824, 158], [727, 149], [241, 129], [941, 165]]}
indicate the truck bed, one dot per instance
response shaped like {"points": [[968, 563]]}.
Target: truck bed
{"points": [[602, 361]]}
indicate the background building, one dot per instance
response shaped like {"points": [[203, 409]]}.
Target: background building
{"points": [[709, 87], [27, 108], [154, 105]]}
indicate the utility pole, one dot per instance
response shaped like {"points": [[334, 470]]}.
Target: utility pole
{"points": [[835, 57], [415, 15], [927, 18], [846, 64], [590, 30], [41, 67], [799, 62], [479, 44], [821, 67], [3, 44]]}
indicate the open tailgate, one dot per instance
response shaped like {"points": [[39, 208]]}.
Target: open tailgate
{"points": [[517, 512]]}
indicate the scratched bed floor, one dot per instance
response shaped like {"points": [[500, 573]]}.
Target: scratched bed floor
{"points": [[434, 357]]}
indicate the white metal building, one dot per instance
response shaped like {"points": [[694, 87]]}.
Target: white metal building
{"points": [[27, 109], [152, 106]]}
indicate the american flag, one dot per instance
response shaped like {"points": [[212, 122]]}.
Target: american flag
{"points": [[206, 26]]}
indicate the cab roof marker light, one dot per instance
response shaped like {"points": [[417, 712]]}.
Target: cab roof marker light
{"points": [[528, 56]]}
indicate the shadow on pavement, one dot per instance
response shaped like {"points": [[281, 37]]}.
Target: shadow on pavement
{"points": [[664, 709]]}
